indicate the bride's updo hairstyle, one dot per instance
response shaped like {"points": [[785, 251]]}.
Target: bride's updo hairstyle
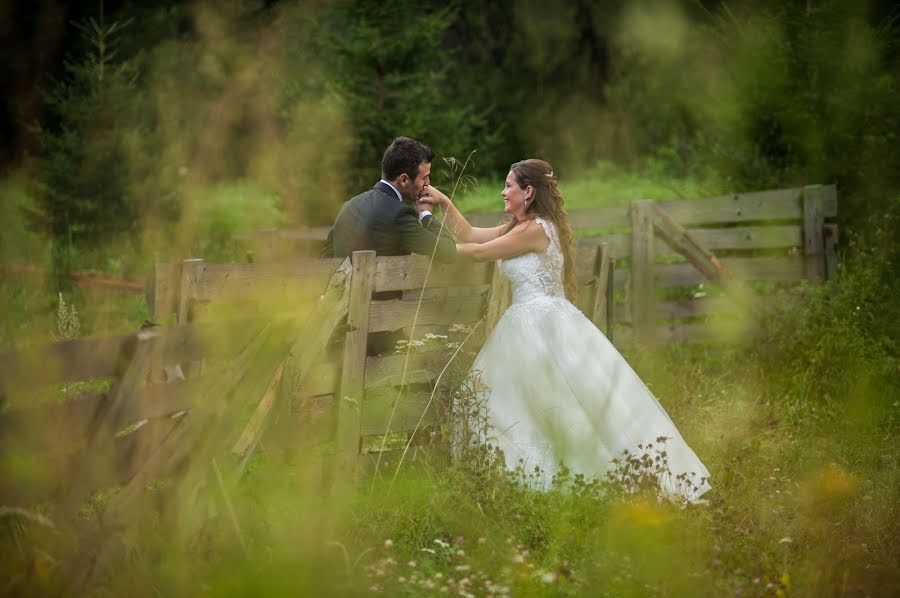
{"points": [[547, 202]]}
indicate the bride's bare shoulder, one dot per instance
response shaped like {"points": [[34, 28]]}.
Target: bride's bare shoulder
{"points": [[533, 231]]}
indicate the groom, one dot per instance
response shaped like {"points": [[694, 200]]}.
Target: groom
{"points": [[380, 220]]}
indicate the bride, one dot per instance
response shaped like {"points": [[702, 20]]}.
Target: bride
{"points": [[559, 390]]}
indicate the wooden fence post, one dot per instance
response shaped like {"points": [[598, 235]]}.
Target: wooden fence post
{"points": [[602, 296], [190, 270], [190, 273], [643, 293], [163, 296], [831, 240], [813, 231], [362, 283]]}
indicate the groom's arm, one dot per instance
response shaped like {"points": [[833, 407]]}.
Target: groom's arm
{"points": [[425, 237]]}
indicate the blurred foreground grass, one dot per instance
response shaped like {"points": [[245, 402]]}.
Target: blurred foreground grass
{"points": [[800, 506], [800, 432]]}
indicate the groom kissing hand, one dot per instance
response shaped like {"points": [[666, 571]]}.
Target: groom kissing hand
{"points": [[380, 220]]}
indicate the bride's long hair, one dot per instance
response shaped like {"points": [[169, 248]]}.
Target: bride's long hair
{"points": [[548, 203]]}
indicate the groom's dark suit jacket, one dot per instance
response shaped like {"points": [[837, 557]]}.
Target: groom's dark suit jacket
{"points": [[377, 220]]}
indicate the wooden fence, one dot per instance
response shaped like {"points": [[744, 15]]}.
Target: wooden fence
{"points": [[662, 253], [248, 338], [673, 258]]}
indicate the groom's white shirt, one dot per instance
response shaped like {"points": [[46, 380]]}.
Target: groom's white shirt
{"points": [[400, 197]]}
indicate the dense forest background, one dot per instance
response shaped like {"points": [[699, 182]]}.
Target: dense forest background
{"points": [[124, 118]]}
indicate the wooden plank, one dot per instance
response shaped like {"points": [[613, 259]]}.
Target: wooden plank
{"points": [[388, 370], [814, 200], [388, 411], [27, 477], [195, 436], [703, 259], [745, 237], [323, 379], [63, 427], [102, 427], [308, 348], [395, 314], [279, 279], [602, 290], [163, 293], [199, 435], [23, 370], [498, 300], [774, 204], [354, 361], [218, 339], [831, 241], [742, 238], [679, 239], [250, 435], [642, 282], [610, 296], [54, 427], [409, 272], [191, 271], [619, 244], [777, 204], [744, 269], [622, 313]]}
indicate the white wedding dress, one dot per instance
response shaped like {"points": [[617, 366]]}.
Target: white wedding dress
{"points": [[560, 391]]}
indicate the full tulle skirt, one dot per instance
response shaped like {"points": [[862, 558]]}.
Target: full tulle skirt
{"points": [[561, 392]]}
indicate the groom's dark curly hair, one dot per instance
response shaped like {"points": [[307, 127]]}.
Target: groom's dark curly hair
{"points": [[404, 156]]}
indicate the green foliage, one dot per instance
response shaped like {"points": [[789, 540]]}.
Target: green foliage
{"points": [[82, 195], [604, 184], [230, 209], [765, 96], [395, 74], [839, 342]]}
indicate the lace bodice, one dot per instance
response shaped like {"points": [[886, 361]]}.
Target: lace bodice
{"points": [[536, 275]]}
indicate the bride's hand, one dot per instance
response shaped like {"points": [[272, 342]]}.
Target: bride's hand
{"points": [[432, 196]]}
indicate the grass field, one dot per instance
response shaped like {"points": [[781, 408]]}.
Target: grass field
{"points": [[604, 185], [799, 431]]}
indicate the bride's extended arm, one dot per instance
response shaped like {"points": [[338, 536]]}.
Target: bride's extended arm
{"points": [[456, 222], [526, 237]]}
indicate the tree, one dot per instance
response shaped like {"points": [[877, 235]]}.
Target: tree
{"points": [[397, 76], [82, 188]]}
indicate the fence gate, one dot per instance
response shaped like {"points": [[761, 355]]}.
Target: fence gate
{"points": [[775, 236]]}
